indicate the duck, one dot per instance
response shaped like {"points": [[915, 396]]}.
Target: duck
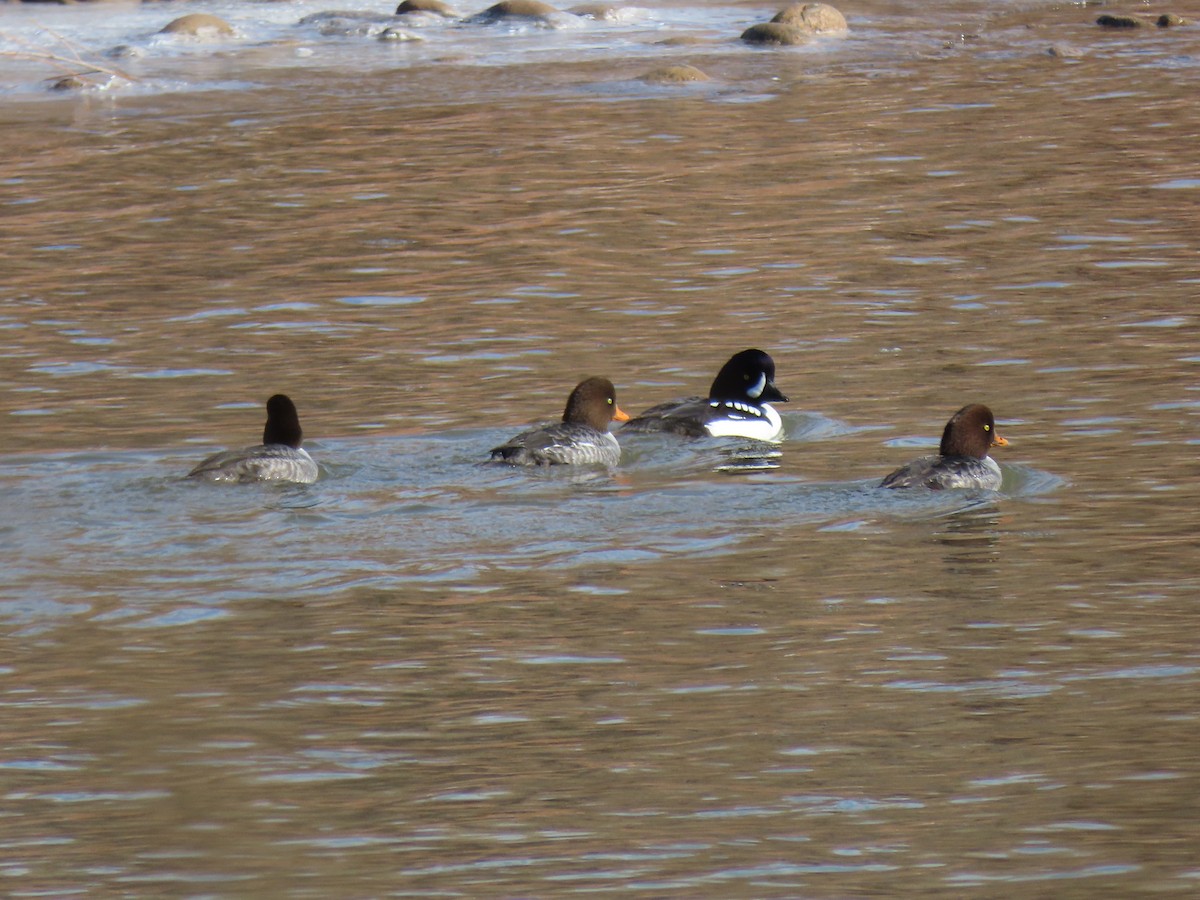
{"points": [[736, 406], [581, 438], [962, 460], [279, 458]]}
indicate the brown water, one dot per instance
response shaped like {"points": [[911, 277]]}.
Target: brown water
{"points": [[424, 677]]}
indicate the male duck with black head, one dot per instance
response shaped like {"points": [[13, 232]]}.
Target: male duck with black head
{"points": [[278, 458], [962, 460], [737, 404], [581, 438]]}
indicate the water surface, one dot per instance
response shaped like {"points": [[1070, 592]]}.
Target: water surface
{"points": [[691, 677]]}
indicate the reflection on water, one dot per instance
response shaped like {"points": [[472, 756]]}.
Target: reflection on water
{"points": [[970, 539], [711, 672]]}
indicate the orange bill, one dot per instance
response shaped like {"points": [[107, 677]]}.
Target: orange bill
{"points": [[621, 416]]}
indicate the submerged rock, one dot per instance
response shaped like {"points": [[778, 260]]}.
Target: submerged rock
{"points": [[598, 11], [198, 25], [1064, 51], [815, 18], [399, 35], [332, 15], [349, 23], [428, 6], [350, 28], [1170, 20], [682, 40], [125, 51], [69, 83], [674, 75], [1107, 21], [85, 81]]}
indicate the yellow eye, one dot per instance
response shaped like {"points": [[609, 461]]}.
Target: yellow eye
{"points": [[610, 401], [987, 427]]}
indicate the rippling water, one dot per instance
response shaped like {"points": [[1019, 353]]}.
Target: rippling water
{"points": [[707, 674]]}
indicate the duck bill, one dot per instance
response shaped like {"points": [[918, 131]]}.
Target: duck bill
{"points": [[619, 415], [998, 441], [770, 392]]}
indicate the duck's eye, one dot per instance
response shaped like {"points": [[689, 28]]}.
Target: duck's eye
{"points": [[609, 401], [987, 427]]}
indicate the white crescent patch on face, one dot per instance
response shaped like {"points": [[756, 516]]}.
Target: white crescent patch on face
{"points": [[756, 390]]}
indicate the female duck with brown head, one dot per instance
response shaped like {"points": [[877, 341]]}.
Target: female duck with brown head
{"points": [[581, 438], [278, 458], [962, 460]]}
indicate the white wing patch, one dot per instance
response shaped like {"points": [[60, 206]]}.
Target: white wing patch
{"points": [[760, 423], [737, 406]]}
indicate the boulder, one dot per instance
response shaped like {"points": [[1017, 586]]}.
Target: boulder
{"points": [[1170, 20], [774, 33], [1107, 21], [508, 10], [814, 18], [427, 6]]}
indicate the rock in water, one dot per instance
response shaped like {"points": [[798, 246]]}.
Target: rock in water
{"points": [[773, 33], [427, 6], [815, 18], [674, 75], [198, 25], [508, 10], [1122, 22]]}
